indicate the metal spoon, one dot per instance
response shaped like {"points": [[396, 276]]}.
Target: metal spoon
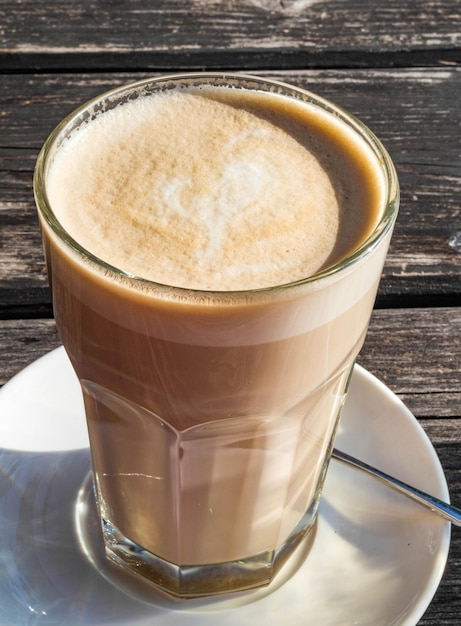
{"points": [[445, 510]]}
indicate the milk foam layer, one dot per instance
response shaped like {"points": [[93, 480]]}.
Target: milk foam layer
{"points": [[206, 190]]}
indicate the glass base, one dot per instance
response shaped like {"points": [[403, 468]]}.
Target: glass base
{"points": [[191, 581], [180, 582]]}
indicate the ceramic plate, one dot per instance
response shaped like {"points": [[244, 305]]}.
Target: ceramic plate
{"points": [[375, 557]]}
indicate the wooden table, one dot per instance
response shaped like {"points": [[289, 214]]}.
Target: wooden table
{"points": [[394, 64]]}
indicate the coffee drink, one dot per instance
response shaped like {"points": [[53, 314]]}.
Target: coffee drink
{"points": [[213, 277]]}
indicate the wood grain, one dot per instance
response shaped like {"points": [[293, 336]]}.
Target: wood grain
{"points": [[249, 34], [416, 351]]}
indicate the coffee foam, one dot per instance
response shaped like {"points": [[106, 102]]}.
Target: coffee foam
{"points": [[192, 191]]}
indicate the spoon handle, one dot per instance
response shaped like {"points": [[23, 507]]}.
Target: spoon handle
{"points": [[445, 510]]}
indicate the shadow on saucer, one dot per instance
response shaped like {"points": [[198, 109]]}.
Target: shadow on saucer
{"points": [[45, 579]]}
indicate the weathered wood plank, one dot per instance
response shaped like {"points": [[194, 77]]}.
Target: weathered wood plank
{"points": [[24, 341], [416, 351], [141, 34], [415, 112]]}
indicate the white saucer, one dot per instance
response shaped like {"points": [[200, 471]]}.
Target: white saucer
{"points": [[376, 558]]}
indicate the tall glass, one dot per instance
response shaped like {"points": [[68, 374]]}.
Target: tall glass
{"points": [[211, 415]]}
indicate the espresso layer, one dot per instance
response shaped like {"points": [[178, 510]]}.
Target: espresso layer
{"points": [[215, 189]]}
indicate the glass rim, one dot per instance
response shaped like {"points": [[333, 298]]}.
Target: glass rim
{"points": [[114, 97]]}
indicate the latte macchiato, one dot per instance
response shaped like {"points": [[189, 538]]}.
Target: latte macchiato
{"points": [[214, 248]]}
